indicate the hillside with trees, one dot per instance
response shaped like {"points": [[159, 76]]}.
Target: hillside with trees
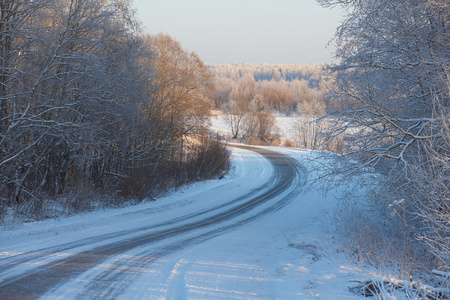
{"points": [[92, 111]]}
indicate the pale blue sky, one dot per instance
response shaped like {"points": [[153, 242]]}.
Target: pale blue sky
{"points": [[247, 31]]}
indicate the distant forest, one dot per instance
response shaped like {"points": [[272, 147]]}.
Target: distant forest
{"points": [[284, 88]]}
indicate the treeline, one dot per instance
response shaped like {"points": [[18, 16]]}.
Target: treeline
{"points": [[392, 100], [312, 73], [88, 104], [283, 88]]}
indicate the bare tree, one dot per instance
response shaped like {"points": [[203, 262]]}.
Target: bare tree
{"points": [[259, 123], [235, 111], [181, 99]]}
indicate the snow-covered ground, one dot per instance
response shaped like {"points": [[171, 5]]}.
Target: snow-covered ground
{"points": [[290, 254]]}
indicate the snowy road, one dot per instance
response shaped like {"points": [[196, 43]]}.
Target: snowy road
{"points": [[256, 234], [128, 254]]}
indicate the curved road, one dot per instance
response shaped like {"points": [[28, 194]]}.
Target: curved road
{"points": [[106, 270]]}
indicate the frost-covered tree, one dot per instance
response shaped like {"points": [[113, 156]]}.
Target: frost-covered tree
{"points": [[88, 103], [394, 57]]}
